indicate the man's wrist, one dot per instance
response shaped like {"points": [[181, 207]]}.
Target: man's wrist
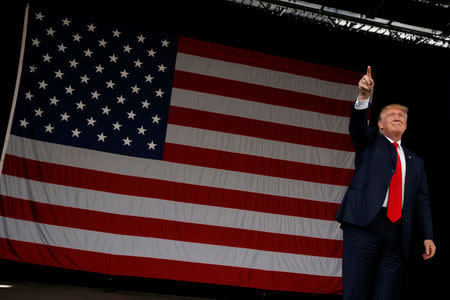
{"points": [[362, 103]]}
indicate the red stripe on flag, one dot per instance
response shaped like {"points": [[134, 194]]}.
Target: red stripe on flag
{"points": [[260, 129], [161, 189], [260, 93], [166, 229], [256, 165], [165, 269], [266, 61]]}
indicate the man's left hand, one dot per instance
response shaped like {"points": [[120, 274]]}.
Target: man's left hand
{"points": [[430, 249]]}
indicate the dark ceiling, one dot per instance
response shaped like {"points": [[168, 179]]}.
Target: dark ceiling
{"points": [[432, 14]]}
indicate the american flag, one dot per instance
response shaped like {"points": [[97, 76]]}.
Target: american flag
{"points": [[138, 153]]}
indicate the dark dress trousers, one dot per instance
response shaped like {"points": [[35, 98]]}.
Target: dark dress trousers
{"points": [[373, 246]]}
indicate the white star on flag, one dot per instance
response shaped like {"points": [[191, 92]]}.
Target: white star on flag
{"points": [[76, 133], [151, 145], [24, 123], [101, 137], [127, 141], [65, 117], [141, 130], [49, 128]]}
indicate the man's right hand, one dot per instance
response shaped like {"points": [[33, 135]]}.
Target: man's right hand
{"points": [[366, 85]]}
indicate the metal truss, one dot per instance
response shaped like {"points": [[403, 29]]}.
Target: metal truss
{"points": [[351, 21]]}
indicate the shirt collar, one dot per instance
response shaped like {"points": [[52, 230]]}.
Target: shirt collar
{"points": [[399, 142]]}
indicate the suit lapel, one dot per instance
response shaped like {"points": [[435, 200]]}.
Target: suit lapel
{"points": [[393, 153], [391, 148], [409, 173]]}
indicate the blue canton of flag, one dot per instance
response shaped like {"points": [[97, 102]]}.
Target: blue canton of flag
{"points": [[96, 86]]}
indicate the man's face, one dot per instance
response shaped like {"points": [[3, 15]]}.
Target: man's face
{"points": [[393, 122]]}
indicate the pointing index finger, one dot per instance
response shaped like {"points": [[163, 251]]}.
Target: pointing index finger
{"points": [[369, 71]]}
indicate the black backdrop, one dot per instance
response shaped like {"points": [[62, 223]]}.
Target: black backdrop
{"points": [[417, 76]]}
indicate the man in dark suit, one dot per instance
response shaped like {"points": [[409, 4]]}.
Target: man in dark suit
{"points": [[387, 198]]}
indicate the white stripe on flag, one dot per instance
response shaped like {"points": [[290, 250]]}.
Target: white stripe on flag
{"points": [[258, 111], [260, 147]]}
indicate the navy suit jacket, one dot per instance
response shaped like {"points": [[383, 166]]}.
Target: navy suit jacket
{"points": [[375, 161]]}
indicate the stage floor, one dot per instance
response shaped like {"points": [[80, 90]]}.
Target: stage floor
{"points": [[41, 282], [52, 291]]}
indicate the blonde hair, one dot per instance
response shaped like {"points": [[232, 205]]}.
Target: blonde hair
{"points": [[394, 105]]}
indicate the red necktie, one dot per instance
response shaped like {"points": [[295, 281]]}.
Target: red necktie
{"points": [[394, 210]]}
